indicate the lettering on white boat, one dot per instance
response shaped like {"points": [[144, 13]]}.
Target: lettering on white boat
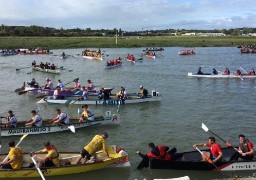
{"points": [[29, 130], [246, 166], [110, 101]]}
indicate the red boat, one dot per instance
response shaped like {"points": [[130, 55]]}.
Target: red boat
{"points": [[187, 52]]}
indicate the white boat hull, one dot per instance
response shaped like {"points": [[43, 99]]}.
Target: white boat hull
{"points": [[190, 74]]}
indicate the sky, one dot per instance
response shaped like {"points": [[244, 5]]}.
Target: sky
{"points": [[130, 15]]}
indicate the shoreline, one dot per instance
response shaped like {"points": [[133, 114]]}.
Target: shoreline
{"points": [[11, 42]]}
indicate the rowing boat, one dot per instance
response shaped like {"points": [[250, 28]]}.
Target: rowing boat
{"points": [[88, 54], [49, 128], [94, 100], [150, 56], [112, 66], [67, 164], [52, 71], [192, 161], [154, 49], [187, 52], [209, 75]]}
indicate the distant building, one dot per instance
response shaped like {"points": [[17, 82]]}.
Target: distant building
{"points": [[210, 34], [189, 34]]}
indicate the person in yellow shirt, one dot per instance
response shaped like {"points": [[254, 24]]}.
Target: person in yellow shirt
{"points": [[14, 160], [97, 143], [51, 158]]}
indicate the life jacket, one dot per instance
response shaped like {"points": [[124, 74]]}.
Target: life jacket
{"points": [[163, 154], [54, 159], [244, 146]]}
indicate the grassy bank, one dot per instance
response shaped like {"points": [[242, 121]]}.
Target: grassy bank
{"points": [[129, 42]]}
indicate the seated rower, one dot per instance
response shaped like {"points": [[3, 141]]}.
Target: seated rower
{"points": [[226, 71], [14, 160], [62, 118], [33, 83], [252, 72], [87, 114], [12, 121], [34, 63], [238, 72], [91, 85], [214, 71], [200, 71], [77, 85], [122, 93], [61, 85], [52, 157], [49, 84], [215, 154], [104, 94], [35, 120], [143, 92], [56, 94], [84, 94]]}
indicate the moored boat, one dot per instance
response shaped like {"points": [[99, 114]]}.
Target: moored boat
{"points": [[52, 71], [209, 75], [49, 128], [67, 164], [94, 100], [192, 161]]}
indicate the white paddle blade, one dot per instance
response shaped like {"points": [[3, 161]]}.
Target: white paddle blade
{"points": [[205, 128], [72, 128]]}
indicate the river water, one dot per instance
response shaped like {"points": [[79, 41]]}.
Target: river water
{"points": [[226, 106]]}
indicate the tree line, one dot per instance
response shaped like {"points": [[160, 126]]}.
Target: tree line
{"points": [[75, 32]]}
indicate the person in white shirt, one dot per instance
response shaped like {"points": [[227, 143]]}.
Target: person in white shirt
{"points": [[49, 84], [56, 93], [35, 120], [91, 85], [62, 118], [122, 93], [12, 121], [61, 85], [85, 94]]}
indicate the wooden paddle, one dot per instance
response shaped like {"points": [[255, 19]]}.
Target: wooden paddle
{"points": [[22, 68], [37, 167], [210, 161]]}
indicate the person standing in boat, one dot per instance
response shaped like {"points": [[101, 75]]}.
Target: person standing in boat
{"points": [[91, 85], [215, 150], [12, 121], [49, 84], [62, 118], [245, 150], [98, 143], [87, 114], [61, 85], [52, 157], [14, 160], [226, 71], [199, 71], [143, 92], [36, 120]]}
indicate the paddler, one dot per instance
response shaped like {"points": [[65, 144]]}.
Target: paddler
{"points": [[36, 120], [56, 93], [61, 85], [215, 154], [49, 84], [91, 85], [12, 121], [143, 92], [252, 72], [98, 143], [87, 114], [14, 160], [52, 157], [62, 118]]}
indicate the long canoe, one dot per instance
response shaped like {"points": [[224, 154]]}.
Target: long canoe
{"points": [[67, 164], [49, 128], [56, 71], [192, 161], [209, 75], [93, 57], [94, 100], [112, 66]]}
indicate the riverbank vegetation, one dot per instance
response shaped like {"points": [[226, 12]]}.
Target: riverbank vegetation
{"points": [[13, 42]]}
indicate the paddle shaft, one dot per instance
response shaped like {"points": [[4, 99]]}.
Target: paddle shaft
{"points": [[210, 162], [38, 169], [244, 70], [71, 81]]}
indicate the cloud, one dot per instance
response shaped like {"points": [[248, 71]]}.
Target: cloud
{"points": [[129, 14]]}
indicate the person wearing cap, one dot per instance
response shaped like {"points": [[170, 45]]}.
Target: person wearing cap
{"points": [[14, 160], [143, 92], [12, 121], [91, 85], [49, 84], [245, 150], [61, 85], [36, 120], [87, 114], [98, 143], [51, 158], [62, 118]]}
